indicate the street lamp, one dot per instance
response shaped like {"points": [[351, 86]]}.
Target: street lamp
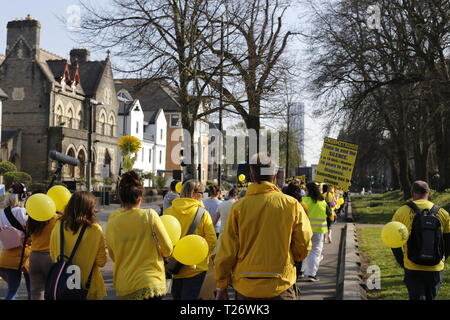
{"points": [[90, 103]]}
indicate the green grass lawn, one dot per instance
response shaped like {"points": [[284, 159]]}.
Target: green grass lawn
{"points": [[379, 209], [373, 252]]}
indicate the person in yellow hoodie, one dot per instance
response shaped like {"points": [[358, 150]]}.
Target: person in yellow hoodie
{"points": [[91, 254], [266, 233], [186, 284], [137, 242]]}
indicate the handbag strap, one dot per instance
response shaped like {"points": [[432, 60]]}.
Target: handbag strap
{"points": [[12, 220], [16, 224], [149, 214], [198, 217]]}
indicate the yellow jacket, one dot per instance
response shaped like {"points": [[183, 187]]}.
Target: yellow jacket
{"points": [[90, 255], [138, 266], [405, 215], [184, 209], [266, 232]]}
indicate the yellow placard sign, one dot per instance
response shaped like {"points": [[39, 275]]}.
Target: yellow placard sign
{"points": [[336, 163]]}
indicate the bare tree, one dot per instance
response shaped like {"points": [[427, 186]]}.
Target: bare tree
{"points": [[160, 39]]}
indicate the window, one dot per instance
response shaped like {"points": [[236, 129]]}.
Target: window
{"points": [[162, 132], [137, 127], [150, 155], [175, 121], [160, 157]]}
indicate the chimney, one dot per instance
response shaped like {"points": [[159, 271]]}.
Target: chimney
{"points": [[79, 55], [29, 29]]}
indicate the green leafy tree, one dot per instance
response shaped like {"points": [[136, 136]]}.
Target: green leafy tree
{"points": [[7, 166], [17, 177]]}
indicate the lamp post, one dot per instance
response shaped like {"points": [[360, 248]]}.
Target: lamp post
{"points": [[91, 103]]}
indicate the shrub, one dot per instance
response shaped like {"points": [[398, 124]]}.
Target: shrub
{"points": [[160, 182], [6, 167], [17, 177]]}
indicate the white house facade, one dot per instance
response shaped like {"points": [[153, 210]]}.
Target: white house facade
{"points": [[150, 128]]}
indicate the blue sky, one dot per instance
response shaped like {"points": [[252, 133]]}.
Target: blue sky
{"points": [[57, 38]]}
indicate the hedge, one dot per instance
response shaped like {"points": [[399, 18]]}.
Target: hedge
{"points": [[11, 178], [6, 166]]}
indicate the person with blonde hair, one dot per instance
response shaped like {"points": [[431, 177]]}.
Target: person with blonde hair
{"points": [[15, 261], [188, 281]]}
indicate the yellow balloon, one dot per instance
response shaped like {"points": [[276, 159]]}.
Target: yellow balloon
{"points": [[61, 196], [173, 227], [40, 207], [340, 201], [191, 250], [179, 187], [394, 234], [241, 177]]}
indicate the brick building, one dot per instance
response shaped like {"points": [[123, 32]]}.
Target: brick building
{"points": [[48, 104]]}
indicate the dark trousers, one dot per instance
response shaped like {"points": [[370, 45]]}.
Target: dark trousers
{"points": [[12, 278], [422, 285], [188, 288]]}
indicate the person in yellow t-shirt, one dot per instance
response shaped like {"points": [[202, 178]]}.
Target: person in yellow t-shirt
{"points": [[40, 260], [331, 200], [421, 281], [137, 242], [91, 253], [187, 284]]}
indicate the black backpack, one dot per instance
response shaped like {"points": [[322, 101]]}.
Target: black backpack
{"points": [[426, 241], [60, 283]]}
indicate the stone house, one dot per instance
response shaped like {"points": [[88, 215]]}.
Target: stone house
{"points": [[48, 105]]}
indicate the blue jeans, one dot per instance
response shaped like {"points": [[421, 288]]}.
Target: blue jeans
{"points": [[13, 278], [187, 288], [422, 285]]}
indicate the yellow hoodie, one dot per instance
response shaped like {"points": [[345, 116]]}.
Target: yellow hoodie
{"points": [[266, 232], [184, 209]]}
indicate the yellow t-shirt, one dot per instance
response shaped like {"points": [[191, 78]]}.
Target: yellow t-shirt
{"points": [[406, 215], [41, 242]]}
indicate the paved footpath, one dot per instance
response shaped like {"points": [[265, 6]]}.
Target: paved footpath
{"points": [[325, 289]]}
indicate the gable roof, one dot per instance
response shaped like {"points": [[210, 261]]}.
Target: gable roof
{"points": [[154, 94], [3, 95]]}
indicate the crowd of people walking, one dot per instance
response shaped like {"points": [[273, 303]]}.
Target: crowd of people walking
{"points": [[261, 240]]}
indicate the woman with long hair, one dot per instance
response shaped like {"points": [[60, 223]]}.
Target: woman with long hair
{"points": [[318, 211], [187, 283], [40, 260], [137, 242], [90, 256]]}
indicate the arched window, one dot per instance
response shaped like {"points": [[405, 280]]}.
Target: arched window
{"points": [[70, 119], [59, 116], [102, 124], [80, 119], [112, 125], [70, 170], [82, 167]]}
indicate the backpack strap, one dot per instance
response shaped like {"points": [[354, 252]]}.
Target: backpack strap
{"points": [[77, 244], [434, 211], [414, 207]]}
